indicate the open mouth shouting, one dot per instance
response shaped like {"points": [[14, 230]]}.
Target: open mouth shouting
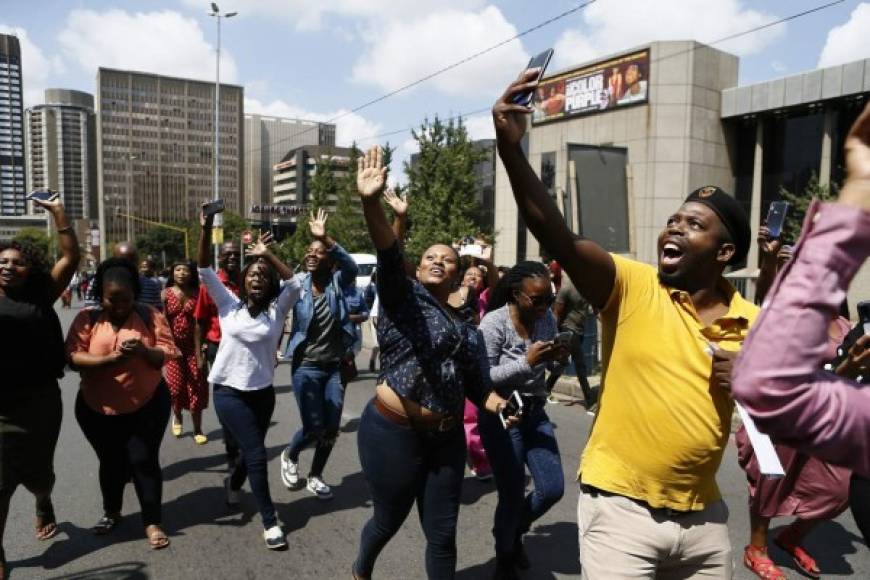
{"points": [[670, 256]]}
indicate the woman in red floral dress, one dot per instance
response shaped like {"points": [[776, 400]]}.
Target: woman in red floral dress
{"points": [[186, 375]]}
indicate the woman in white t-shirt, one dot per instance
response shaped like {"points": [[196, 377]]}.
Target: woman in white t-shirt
{"points": [[244, 367]]}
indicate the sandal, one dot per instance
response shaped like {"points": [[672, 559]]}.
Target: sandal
{"points": [[757, 560], [200, 439], [46, 523], [157, 539], [106, 524], [801, 557], [176, 428]]}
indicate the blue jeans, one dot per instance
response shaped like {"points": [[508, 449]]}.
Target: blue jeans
{"points": [[531, 443], [246, 415], [402, 466], [320, 397]]}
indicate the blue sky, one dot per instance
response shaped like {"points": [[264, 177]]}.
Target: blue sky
{"points": [[316, 59]]}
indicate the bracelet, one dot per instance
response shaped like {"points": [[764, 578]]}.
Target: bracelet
{"points": [[65, 230]]}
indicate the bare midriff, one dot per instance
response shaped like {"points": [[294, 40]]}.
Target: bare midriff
{"points": [[403, 406]]}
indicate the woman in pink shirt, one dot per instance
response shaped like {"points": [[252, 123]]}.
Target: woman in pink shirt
{"points": [[119, 348]]}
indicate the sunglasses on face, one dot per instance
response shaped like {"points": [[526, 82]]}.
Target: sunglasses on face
{"points": [[540, 301]]}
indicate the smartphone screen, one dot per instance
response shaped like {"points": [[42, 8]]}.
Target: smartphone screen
{"points": [[539, 61], [513, 408], [43, 195], [776, 217], [213, 207]]}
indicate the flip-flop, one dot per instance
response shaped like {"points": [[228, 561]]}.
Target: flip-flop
{"points": [[158, 539], [200, 439], [46, 523], [176, 428], [106, 524]]}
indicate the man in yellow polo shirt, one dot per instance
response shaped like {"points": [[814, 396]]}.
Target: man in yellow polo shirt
{"points": [[649, 506]]}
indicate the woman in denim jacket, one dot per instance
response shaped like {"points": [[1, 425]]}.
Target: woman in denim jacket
{"points": [[321, 334]]}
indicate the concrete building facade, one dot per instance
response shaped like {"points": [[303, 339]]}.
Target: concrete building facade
{"points": [[267, 142], [155, 138], [61, 150], [13, 176], [290, 182]]}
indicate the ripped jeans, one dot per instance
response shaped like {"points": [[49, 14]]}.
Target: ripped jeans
{"points": [[320, 397]]}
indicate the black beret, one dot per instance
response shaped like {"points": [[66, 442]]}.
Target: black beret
{"points": [[731, 214]]}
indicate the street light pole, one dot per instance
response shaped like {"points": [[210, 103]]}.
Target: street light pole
{"points": [[130, 157], [216, 13]]}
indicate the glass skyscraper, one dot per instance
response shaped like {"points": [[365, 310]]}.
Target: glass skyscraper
{"points": [[12, 167]]}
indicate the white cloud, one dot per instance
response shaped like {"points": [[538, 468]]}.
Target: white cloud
{"points": [[36, 67], [849, 41], [480, 127], [349, 128], [307, 15], [404, 50], [613, 26], [163, 42]]}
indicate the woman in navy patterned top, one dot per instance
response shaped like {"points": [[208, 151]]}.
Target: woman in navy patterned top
{"points": [[411, 441]]}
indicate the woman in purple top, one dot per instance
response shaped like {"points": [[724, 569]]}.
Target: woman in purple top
{"points": [[778, 377]]}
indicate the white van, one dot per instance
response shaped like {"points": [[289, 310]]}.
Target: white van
{"points": [[366, 264]]}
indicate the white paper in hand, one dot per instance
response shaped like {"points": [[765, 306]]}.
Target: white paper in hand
{"points": [[768, 461], [765, 454]]}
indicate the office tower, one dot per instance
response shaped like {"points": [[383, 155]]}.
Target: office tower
{"points": [[61, 146], [156, 141], [13, 186], [294, 172], [267, 141]]}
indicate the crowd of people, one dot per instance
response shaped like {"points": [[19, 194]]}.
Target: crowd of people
{"points": [[469, 353]]}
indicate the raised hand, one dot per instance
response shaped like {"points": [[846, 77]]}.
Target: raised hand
{"points": [[510, 118], [399, 204], [856, 189], [261, 247], [371, 175], [54, 206], [768, 246], [317, 224]]}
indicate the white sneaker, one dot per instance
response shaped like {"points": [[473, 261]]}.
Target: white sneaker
{"points": [[318, 488], [289, 471], [274, 538]]}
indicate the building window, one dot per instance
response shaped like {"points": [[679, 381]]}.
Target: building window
{"points": [[602, 194], [792, 153]]}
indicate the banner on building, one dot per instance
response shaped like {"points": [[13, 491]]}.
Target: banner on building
{"points": [[603, 86]]}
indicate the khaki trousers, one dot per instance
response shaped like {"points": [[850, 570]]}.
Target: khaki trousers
{"points": [[623, 538]]}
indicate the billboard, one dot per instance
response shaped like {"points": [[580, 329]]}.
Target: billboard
{"points": [[603, 86]]}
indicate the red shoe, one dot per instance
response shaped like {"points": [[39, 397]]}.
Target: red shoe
{"points": [[801, 557], [757, 560]]}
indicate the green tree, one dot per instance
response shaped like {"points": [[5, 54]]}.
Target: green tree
{"points": [[347, 222], [800, 202], [155, 241], [442, 186], [37, 237], [322, 186]]}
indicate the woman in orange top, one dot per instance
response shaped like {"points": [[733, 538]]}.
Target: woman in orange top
{"points": [[120, 348]]}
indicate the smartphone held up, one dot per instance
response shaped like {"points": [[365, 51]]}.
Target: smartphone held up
{"points": [[213, 207], [776, 218], [43, 195], [539, 62]]}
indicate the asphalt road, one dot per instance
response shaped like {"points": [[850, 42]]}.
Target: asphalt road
{"points": [[210, 541]]}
